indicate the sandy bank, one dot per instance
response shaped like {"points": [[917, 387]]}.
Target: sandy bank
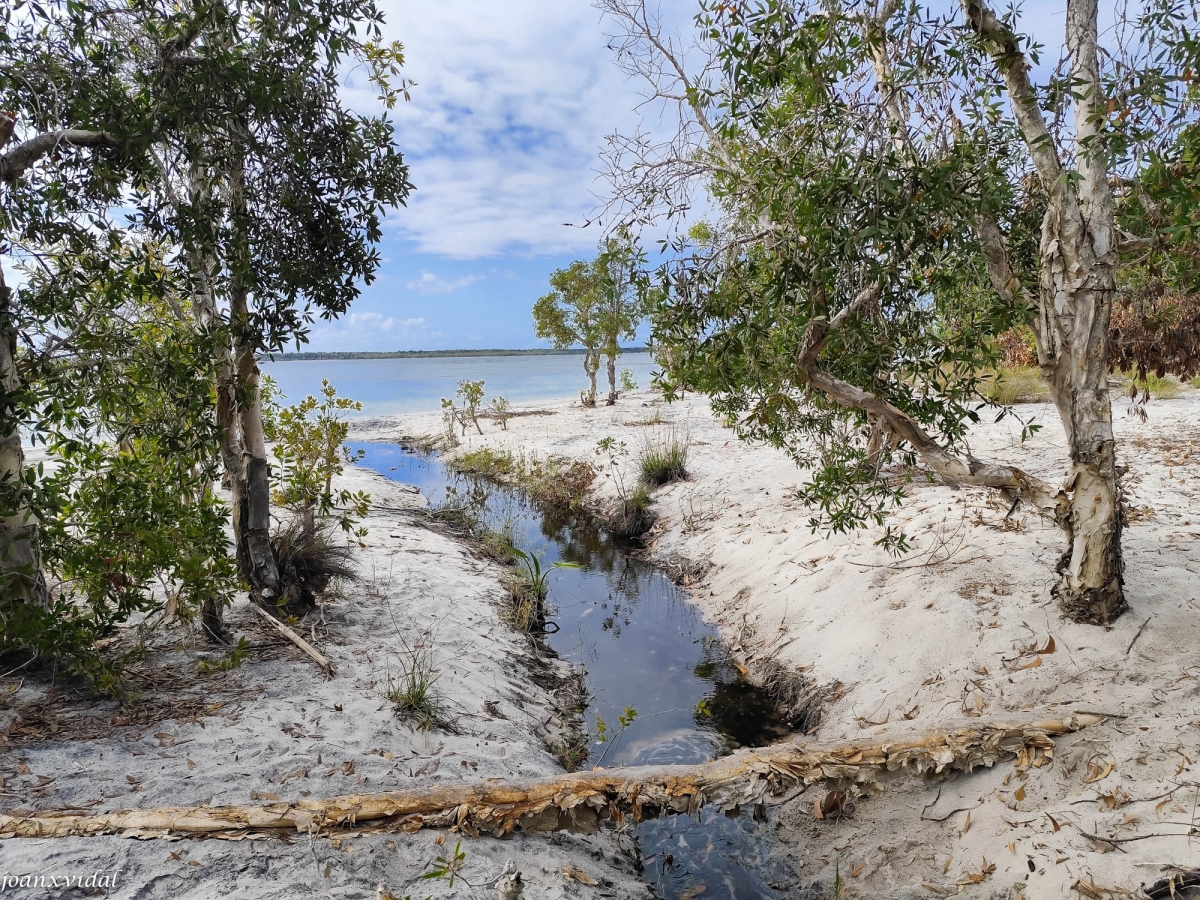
{"points": [[276, 728], [952, 630]]}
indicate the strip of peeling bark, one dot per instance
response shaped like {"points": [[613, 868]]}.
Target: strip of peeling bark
{"points": [[581, 799]]}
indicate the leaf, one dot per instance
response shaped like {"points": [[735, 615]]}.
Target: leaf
{"points": [[1037, 661], [1049, 648], [572, 873], [966, 823], [857, 870], [1095, 772]]}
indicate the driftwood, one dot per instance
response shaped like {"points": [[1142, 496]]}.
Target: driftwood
{"points": [[320, 660], [580, 800]]}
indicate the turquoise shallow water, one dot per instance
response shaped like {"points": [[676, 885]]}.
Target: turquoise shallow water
{"points": [[389, 387]]}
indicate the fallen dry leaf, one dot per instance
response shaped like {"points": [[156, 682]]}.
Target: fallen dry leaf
{"points": [[1019, 794], [574, 874]]}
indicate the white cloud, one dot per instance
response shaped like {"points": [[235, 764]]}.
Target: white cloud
{"points": [[429, 283], [512, 104]]}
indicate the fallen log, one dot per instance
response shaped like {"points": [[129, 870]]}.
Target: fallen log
{"points": [[579, 800]]}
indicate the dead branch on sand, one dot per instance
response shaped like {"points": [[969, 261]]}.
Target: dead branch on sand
{"points": [[580, 800]]}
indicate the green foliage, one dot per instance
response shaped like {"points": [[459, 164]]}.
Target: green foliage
{"points": [[471, 395], [309, 439], [448, 866], [528, 593], [628, 384], [495, 465], [501, 411], [573, 314], [232, 660], [664, 456], [128, 513], [413, 692]]}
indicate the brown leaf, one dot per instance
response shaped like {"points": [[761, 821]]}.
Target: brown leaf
{"points": [[191, 765], [572, 873], [857, 870], [1098, 769], [1037, 661], [348, 767], [1019, 794], [1053, 822], [1049, 648], [834, 801], [912, 713]]}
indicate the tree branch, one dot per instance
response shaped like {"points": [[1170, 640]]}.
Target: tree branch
{"points": [[1013, 65], [1049, 502], [16, 161]]}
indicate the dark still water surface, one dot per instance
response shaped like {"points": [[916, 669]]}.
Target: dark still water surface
{"points": [[391, 387], [643, 645]]}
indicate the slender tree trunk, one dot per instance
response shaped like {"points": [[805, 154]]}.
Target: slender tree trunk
{"points": [[612, 377], [250, 477], [21, 577], [591, 365]]}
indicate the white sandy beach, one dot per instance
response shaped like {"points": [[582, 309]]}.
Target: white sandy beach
{"points": [[951, 632]]}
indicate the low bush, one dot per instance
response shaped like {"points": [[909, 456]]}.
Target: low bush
{"points": [[413, 692], [309, 559], [485, 462], [632, 517]]}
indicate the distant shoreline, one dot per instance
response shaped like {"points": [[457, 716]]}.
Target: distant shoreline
{"points": [[425, 354]]}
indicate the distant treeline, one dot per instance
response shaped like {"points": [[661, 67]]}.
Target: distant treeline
{"points": [[421, 354]]}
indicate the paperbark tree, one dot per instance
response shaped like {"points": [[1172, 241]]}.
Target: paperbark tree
{"points": [[572, 314], [883, 221], [619, 267], [275, 191]]}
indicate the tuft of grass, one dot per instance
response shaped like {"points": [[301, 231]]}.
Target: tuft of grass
{"points": [[499, 545], [484, 462], [664, 456], [1014, 384], [633, 517], [571, 750], [309, 558], [413, 692]]}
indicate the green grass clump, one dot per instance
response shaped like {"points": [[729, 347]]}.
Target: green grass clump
{"points": [[495, 465], [633, 517], [413, 694], [664, 457], [1014, 384]]}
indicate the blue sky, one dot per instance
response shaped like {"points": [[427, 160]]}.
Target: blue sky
{"points": [[512, 104]]}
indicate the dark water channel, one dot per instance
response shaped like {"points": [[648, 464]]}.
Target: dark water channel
{"points": [[645, 646]]}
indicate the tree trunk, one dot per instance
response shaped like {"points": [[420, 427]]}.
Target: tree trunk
{"points": [[1074, 351], [21, 577], [591, 365], [1076, 285], [612, 378], [250, 477]]}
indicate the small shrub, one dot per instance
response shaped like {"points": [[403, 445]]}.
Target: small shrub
{"points": [[559, 483], [627, 383], [485, 462], [413, 692], [633, 517], [664, 457], [449, 419], [571, 750], [501, 411], [471, 394], [1014, 384]]}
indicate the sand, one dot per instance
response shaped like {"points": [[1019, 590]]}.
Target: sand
{"points": [[949, 632], [275, 727]]}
